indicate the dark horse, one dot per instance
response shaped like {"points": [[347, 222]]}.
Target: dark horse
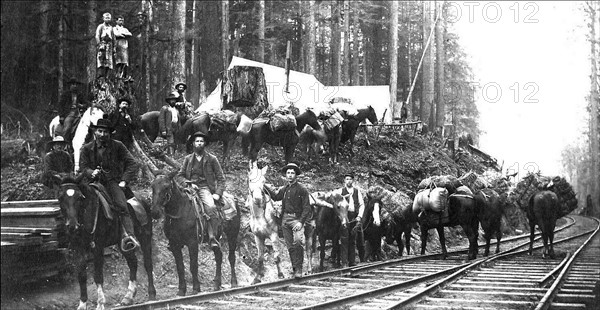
{"points": [[181, 229], [332, 223], [542, 210], [261, 132], [462, 210], [90, 228], [350, 125], [373, 227], [203, 122], [490, 216]]}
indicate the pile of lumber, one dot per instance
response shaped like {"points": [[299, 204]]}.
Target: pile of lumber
{"points": [[33, 240]]}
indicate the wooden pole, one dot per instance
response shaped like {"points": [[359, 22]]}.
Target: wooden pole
{"points": [[288, 64]]}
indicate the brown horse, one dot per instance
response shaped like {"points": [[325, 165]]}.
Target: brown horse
{"points": [[90, 227], [261, 132], [542, 210], [332, 224], [182, 229], [263, 223], [490, 216], [350, 125]]}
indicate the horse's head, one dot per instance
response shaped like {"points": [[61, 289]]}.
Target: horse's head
{"points": [[340, 206], [95, 113], [308, 118], [256, 183], [162, 191], [70, 199], [371, 115]]}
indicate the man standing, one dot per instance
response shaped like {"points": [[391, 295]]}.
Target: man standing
{"points": [[202, 172], [168, 121], [109, 162], [105, 42], [122, 123], [183, 105], [121, 54], [71, 102], [296, 211], [356, 208]]}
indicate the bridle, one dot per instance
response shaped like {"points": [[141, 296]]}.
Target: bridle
{"points": [[165, 197], [70, 186]]}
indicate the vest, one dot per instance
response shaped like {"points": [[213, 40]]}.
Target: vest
{"points": [[354, 197]]}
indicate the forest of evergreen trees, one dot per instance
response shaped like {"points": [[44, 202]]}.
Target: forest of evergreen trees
{"points": [[47, 42]]}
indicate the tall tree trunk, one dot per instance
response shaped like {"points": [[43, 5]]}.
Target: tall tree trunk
{"points": [[336, 69], [409, 99], [355, 46], [61, 47], [594, 24], [178, 66], [146, 25], [312, 38], [91, 50], [440, 109], [428, 68], [225, 33], [346, 54], [394, 105], [195, 77], [261, 31], [44, 54], [367, 44]]}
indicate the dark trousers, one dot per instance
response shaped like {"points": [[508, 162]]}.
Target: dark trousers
{"points": [[352, 236], [294, 240], [118, 197]]}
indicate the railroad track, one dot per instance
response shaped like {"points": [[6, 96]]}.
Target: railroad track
{"points": [[509, 279]]}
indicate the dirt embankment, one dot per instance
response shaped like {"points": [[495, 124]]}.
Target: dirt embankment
{"points": [[397, 163]]}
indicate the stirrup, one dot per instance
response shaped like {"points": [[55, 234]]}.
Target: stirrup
{"points": [[129, 243]]}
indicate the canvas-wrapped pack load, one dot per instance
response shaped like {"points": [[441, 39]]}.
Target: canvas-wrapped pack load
{"points": [[224, 119], [281, 122], [227, 206], [394, 203], [333, 120], [474, 181], [435, 199], [529, 185], [449, 182], [245, 125], [464, 190]]}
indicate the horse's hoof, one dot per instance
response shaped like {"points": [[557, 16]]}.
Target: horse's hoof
{"points": [[100, 307], [217, 287], [127, 301], [195, 291], [181, 293], [255, 281], [82, 305], [152, 297], [281, 276]]}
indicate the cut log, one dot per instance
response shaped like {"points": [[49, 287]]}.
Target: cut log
{"points": [[15, 150]]}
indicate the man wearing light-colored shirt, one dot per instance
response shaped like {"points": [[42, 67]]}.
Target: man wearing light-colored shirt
{"points": [[356, 208]]}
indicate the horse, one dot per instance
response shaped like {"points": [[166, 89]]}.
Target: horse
{"points": [[313, 141], [373, 228], [332, 223], [490, 216], [202, 122], [462, 210], [543, 210], [89, 117], [182, 229], [261, 132], [334, 136], [90, 226], [350, 125]]}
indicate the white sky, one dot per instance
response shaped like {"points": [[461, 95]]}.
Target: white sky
{"points": [[541, 43]]}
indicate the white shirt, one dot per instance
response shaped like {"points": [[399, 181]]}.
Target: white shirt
{"points": [[174, 114], [361, 202]]}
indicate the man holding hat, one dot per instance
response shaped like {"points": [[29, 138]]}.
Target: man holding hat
{"points": [[202, 172], [69, 105], [58, 163], [168, 120], [122, 123], [356, 208], [109, 162], [296, 211]]}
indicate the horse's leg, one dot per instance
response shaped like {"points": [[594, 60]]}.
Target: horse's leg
{"points": [[146, 244], [193, 251], [132, 287], [219, 264], [232, 232], [322, 252], [260, 246], [398, 238], [498, 238], [308, 233], [276, 252], [551, 243], [471, 230], [531, 236], [81, 268], [442, 236], [289, 152], [407, 235], [98, 253], [545, 241], [487, 236], [424, 232], [178, 256]]}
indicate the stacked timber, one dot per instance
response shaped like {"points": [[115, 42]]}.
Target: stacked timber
{"points": [[33, 240], [532, 183]]}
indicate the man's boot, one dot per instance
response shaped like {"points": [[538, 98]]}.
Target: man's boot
{"points": [[128, 241], [213, 224], [298, 261]]}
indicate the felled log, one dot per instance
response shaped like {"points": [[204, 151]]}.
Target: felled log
{"points": [[147, 165], [244, 90], [14, 151]]}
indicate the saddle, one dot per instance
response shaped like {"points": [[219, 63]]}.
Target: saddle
{"points": [[107, 204]]}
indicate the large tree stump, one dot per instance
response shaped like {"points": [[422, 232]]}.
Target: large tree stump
{"points": [[14, 150], [244, 90]]}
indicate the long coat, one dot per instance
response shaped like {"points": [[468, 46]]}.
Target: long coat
{"points": [[117, 162]]}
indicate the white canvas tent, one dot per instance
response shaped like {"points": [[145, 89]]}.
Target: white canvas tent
{"points": [[378, 96], [305, 91]]}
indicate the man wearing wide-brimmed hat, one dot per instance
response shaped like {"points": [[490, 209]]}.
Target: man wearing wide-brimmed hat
{"points": [[168, 120], [186, 107], [202, 172], [356, 208], [58, 163], [69, 105], [109, 162], [122, 122], [296, 211]]}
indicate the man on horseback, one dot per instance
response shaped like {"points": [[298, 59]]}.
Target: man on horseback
{"points": [[296, 212], [69, 106], [58, 163], [356, 209], [109, 162], [202, 172]]}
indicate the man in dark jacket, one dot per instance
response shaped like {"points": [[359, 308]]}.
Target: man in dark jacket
{"points": [[109, 162], [122, 123], [296, 211], [202, 172], [58, 163], [69, 105], [168, 121]]}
